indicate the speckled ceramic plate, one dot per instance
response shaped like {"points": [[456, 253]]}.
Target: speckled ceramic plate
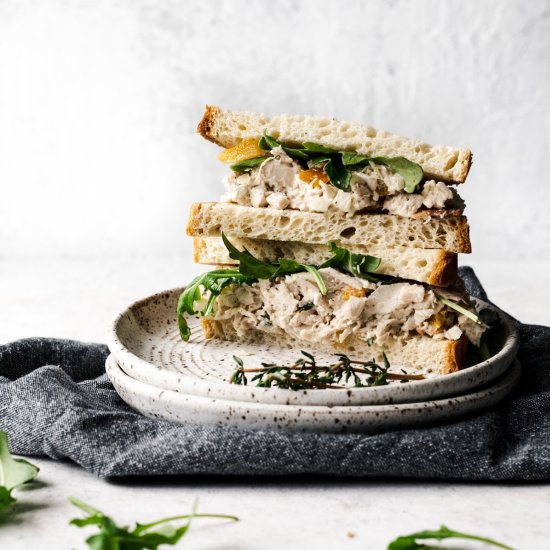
{"points": [[145, 340], [178, 407]]}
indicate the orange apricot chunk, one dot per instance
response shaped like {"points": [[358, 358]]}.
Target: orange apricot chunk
{"points": [[313, 176], [244, 150], [350, 291]]}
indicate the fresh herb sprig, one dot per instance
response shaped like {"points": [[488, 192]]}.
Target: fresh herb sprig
{"points": [[409, 542], [14, 472], [337, 165], [252, 269], [148, 536], [306, 373]]}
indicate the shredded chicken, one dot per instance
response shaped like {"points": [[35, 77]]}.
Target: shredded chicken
{"points": [[352, 306], [276, 183]]}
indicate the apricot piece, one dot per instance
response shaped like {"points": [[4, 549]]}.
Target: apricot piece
{"points": [[349, 291], [244, 150], [313, 176]]}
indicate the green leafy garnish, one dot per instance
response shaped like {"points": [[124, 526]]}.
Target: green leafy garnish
{"points": [[306, 373], [408, 542], [143, 536], [460, 309], [252, 269], [248, 164], [358, 265], [13, 472], [214, 282], [411, 172], [337, 165], [267, 143]]}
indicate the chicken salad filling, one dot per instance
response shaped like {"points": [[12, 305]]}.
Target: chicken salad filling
{"points": [[318, 179], [370, 311]]}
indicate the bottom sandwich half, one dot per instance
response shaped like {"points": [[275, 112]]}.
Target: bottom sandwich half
{"points": [[415, 325]]}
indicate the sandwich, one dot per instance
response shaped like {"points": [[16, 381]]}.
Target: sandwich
{"points": [[341, 305], [312, 180], [333, 236]]}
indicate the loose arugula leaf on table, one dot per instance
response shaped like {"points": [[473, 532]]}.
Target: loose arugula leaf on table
{"points": [[408, 542], [5, 498], [143, 536], [13, 472]]}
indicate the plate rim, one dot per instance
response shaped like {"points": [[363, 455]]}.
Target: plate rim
{"points": [[400, 415]]}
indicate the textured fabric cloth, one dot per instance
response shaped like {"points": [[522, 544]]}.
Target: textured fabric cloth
{"points": [[56, 401]]}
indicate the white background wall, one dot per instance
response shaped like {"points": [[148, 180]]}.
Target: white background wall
{"points": [[99, 101]]}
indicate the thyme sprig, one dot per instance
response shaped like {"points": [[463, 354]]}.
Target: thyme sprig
{"points": [[306, 373]]}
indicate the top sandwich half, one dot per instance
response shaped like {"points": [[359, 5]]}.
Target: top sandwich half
{"points": [[322, 165]]}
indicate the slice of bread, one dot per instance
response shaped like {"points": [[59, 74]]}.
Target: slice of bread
{"points": [[419, 352], [227, 128], [210, 219], [435, 267]]}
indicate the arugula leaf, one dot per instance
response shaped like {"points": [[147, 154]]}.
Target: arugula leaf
{"points": [[245, 165], [316, 148], [13, 472], [351, 158], [298, 154], [408, 542], [5, 498], [411, 172], [359, 265], [248, 264], [252, 267], [318, 279], [338, 175], [460, 309], [267, 143], [113, 537], [213, 281]]}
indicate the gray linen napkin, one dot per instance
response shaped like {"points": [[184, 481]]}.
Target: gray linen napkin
{"points": [[56, 401]]}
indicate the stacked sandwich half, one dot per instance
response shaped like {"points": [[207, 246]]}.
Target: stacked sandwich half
{"points": [[333, 236]]}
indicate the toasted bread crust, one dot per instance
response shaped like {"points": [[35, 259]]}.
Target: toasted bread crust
{"points": [[211, 328], [456, 352], [464, 236], [445, 271], [207, 123]]}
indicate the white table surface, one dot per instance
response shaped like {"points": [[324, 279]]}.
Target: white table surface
{"points": [[77, 298]]}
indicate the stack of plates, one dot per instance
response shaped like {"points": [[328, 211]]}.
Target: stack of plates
{"points": [[163, 377]]}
